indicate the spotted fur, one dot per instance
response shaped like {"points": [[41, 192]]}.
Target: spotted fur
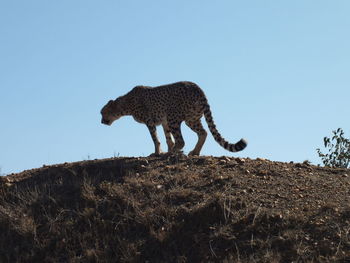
{"points": [[169, 105]]}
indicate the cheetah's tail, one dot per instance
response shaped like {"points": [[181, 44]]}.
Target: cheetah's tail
{"points": [[232, 147]]}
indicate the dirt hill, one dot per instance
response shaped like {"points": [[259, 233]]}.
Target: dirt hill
{"points": [[176, 209]]}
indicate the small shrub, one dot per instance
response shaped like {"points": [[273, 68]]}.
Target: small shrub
{"points": [[338, 150]]}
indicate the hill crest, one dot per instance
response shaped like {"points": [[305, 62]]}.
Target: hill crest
{"points": [[176, 209]]}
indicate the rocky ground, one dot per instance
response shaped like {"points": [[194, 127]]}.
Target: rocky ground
{"points": [[176, 209]]}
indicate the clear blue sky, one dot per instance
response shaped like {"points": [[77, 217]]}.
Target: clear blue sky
{"points": [[275, 72]]}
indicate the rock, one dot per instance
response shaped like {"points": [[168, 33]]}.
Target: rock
{"points": [[240, 160], [225, 158], [222, 162], [307, 162]]}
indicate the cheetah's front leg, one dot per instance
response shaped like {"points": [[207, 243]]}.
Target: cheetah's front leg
{"points": [[153, 131]]}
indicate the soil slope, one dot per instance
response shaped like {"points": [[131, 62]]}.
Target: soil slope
{"points": [[176, 209]]}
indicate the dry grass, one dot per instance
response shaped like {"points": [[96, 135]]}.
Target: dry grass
{"points": [[176, 209]]}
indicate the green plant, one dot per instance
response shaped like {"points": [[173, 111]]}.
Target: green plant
{"points": [[338, 150]]}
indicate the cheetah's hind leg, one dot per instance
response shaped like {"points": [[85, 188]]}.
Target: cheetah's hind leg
{"points": [[197, 127], [168, 136], [175, 130]]}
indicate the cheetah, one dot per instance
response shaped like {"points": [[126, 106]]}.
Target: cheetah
{"points": [[169, 105]]}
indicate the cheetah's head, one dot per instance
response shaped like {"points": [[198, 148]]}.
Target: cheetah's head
{"points": [[110, 112]]}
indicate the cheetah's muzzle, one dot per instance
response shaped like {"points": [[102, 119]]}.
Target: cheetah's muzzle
{"points": [[103, 121]]}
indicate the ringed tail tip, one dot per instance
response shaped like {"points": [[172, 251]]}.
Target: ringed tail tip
{"points": [[239, 146]]}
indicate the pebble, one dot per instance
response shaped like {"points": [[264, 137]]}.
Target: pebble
{"points": [[240, 160], [225, 158], [222, 162]]}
